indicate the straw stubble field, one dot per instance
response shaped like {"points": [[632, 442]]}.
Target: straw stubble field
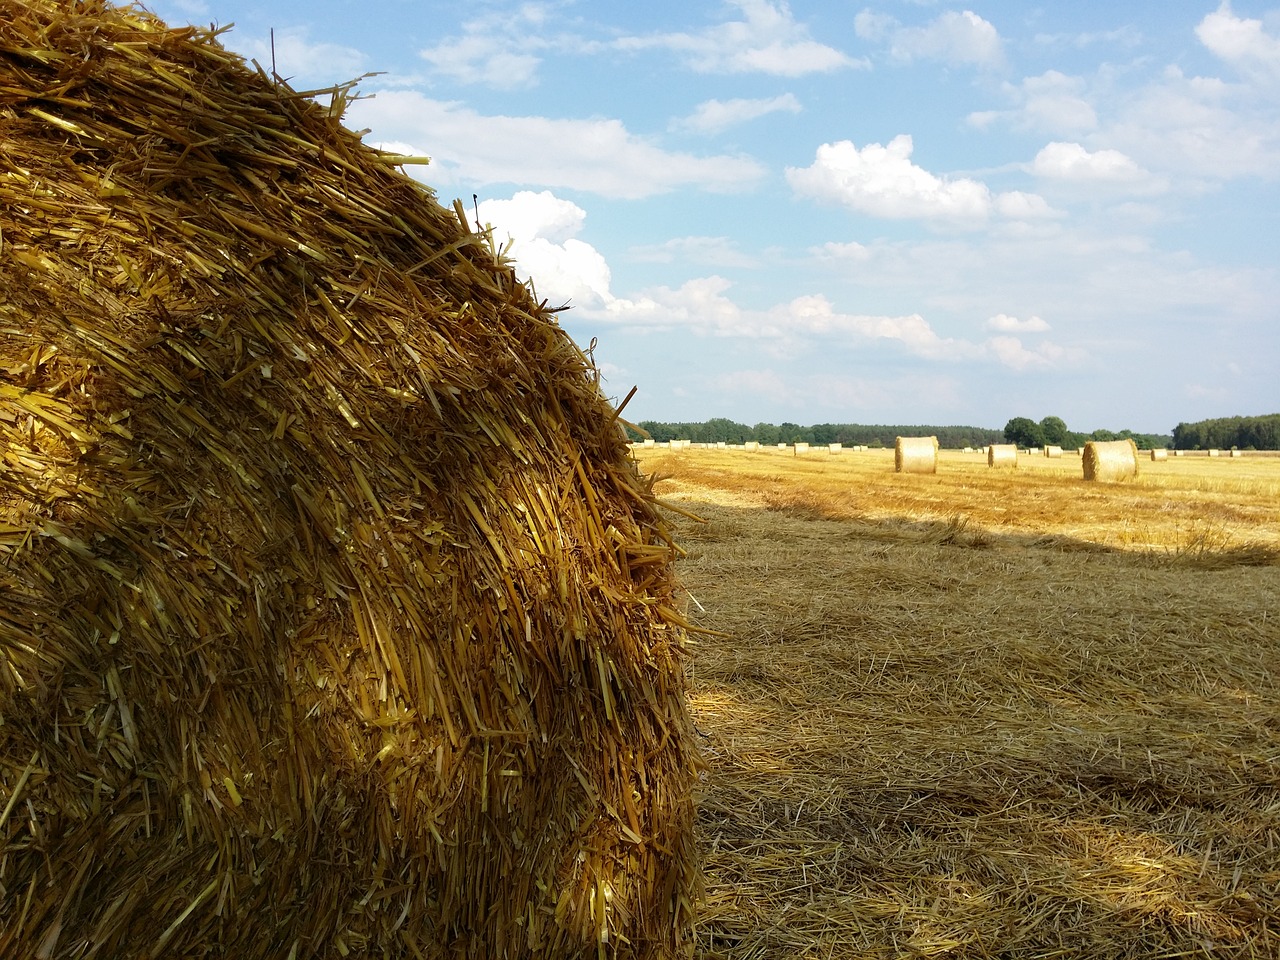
{"points": [[984, 713]]}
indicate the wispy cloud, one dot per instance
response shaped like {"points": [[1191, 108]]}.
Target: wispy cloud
{"points": [[593, 156], [304, 62], [1052, 102], [502, 49], [767, 39], [704, 251], [715, 116], [955, 38]]}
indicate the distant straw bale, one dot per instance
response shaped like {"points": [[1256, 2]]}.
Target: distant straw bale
{"points": [[1110, 460], [915, 455], [1236, 453], [1159, 453], [334, 618], [1002, 455], [1052, 451]]}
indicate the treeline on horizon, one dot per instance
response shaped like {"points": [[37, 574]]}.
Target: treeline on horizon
{"points": [[1244, 433], [874, 435]]}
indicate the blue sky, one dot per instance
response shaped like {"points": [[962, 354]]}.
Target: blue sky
{"points": [[903, 212]]}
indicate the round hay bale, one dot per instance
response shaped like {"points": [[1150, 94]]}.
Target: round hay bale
{"points": [[334, 618], [1002, 455], [1110, 460], [1159, 454], [1052, 451], [915, 455]]}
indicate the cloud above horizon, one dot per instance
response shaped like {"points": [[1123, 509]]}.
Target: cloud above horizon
{"points": [[594, 156], [880, 180], [766, 40], [716, 116], [954, 38]]}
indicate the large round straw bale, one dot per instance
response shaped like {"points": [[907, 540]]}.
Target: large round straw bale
{"points": [[1002, 455], [1159, 453], [334, 620], [915, 455], [1110, 460], [1052, 451]]}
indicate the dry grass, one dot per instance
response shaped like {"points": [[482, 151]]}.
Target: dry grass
{"points": [[983, 714]]}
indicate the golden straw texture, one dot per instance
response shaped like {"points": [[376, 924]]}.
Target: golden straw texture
{"points": [[335, 619], [915, 455], [1110, 460], [1002, 455]]}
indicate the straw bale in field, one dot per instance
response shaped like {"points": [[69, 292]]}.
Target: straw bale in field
{"points": [[800, 447], [1213, 452], [1053, 451], [1159, 454], [915, 455], [1236, 453], [334, 620], [1002, 455], [751, 445], [1110, 460]]}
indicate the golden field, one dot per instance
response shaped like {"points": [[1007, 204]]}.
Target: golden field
{"points": [[983, 713]]}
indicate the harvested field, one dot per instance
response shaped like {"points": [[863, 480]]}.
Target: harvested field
{"points": [[984, 714]]}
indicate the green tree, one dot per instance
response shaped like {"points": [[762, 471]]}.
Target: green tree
{"points": [[767, 433], [1024, 431], [1054, 430]]}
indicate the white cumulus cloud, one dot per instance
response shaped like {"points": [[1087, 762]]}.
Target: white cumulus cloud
{"points": [[1243, 43], [540, 229], [1071, 161], [1008, 324], [880, 180]]}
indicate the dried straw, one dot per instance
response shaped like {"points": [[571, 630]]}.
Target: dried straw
{"points": [[1052, 451], [915, 455], [1110, 460], [1159, 454], [1002, 455], [334, 618]]}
